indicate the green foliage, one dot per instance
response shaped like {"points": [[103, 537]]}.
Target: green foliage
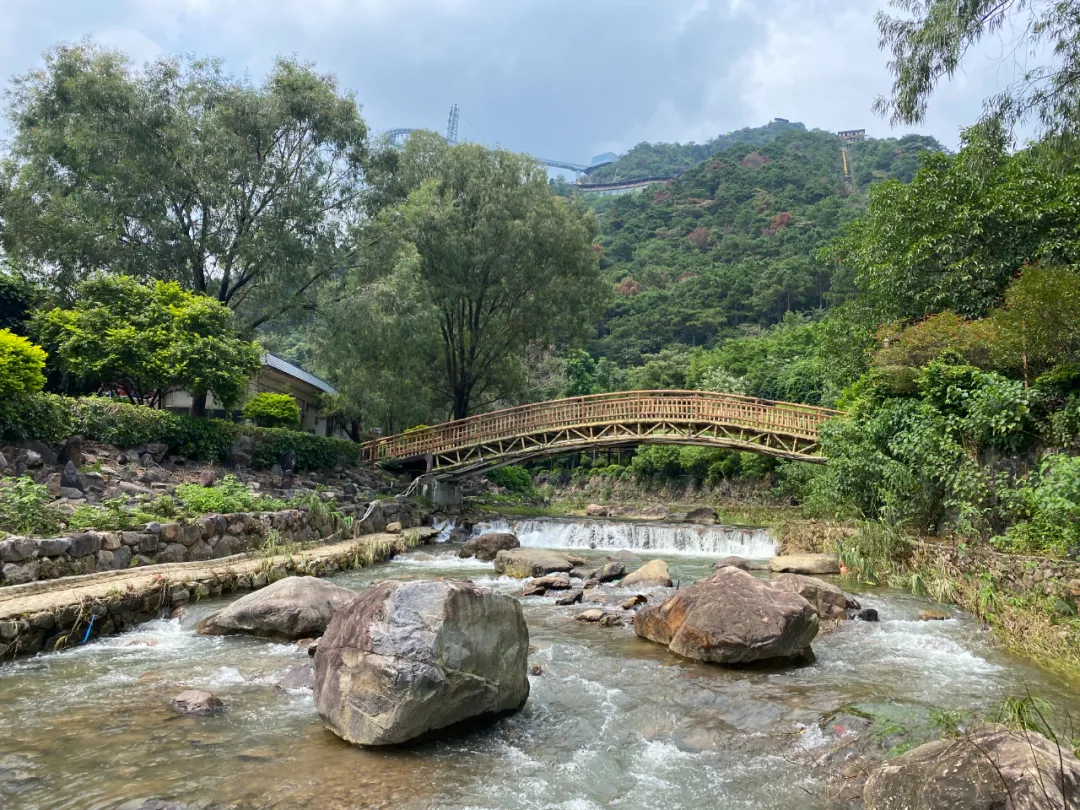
{"points": [[21, 363], [272, 410], [1045, 509], [18, 297], [227, 496], [180, 172], [143, 341], [24, 507], [512, 478], [52, 418], [111, 515], [954, 238]]}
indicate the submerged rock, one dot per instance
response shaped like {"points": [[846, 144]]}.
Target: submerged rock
{"points": [[932, 615], [291, 608], [571, 598], [829, 601], [486, 546], [653, 573], [740, 562], [195, 702], [624, 556], [990, 769], [867, 615], [521, 563], [633, 601], [806, 564], [300, 677], [608, 572], [730, 618], [404, 659]]}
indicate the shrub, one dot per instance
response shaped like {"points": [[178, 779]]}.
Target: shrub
{"points": [[230, 495], [514, 479], [1047, 504], [24, 507], [21, 364], [272, 410], [50, 418]]}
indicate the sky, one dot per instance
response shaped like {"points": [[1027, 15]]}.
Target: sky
{"points": [[560, 79]]}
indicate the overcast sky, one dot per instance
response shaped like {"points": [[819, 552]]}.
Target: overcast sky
{"points": [[564, 79]]}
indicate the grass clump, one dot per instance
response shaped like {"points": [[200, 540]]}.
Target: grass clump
{"points": [[229, 495], [24, 507]]}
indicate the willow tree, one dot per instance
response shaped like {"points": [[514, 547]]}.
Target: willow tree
{"points": [[180, 172], [487, 265]]}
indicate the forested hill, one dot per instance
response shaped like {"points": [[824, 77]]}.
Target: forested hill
{"points": [[732, 241], [670, 159]]}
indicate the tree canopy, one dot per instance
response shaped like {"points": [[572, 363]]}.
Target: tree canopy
{"points": [[182, 173], [143, 341]]}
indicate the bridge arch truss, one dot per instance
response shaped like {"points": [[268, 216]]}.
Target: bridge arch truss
{"points": [[453, 450]]}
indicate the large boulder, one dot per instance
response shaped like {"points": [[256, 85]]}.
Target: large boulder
{"points": [[486, 546], [521, 563], [730, 618], [405, 659], [653, 573], [704, 515], [805, 564], [829, 601], [291, 608], [990, 769]]}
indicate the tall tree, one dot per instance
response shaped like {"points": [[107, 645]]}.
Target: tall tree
{"points": [[929, 39], [180, 172], [493, 266]]}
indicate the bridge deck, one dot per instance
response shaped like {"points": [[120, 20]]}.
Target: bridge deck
{"points": [[625, 418]]}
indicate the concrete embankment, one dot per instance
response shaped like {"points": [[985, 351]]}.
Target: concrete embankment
{"points": [[53, 614]]}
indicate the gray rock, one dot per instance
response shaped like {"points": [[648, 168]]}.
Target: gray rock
{"points": [[157, 450], [84, 544], [291, 608], [242, 452], [131, 488], [104, 560], [990, 769], [405, 659], [530, 562], [730, 618], [624, 556], [3, 463], [71, 493], [196, 702], [16, 549], [300, 677], [121, 557], [15, 574], [736, 562], [69, 477], [486, 546], [39, 449], [173, 553], [704, 515], [53, 547], [148, 543], [201, 551], [91, 482], [572, 598], [32, 459], [608, 572]]}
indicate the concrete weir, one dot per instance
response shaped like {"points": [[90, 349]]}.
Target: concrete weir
{"points": [[58, 613]]}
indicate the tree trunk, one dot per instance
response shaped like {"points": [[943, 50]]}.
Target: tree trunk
{"points": [[198, 405]]}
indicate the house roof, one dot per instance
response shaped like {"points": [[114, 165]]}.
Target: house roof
{"points": [[286, 367]]}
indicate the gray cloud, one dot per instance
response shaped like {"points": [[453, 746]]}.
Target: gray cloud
{"points": [[559, 78]]}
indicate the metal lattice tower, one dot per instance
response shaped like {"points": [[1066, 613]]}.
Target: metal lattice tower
{"points": [[452, 124]]}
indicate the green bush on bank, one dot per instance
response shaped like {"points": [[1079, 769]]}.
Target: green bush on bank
{"points": [[50, 418]]}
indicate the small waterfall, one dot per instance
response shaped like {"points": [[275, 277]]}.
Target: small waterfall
{"points": [[682, 538], [445, 529]]}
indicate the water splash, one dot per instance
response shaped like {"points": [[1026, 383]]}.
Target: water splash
{"points": [[683, 538]]}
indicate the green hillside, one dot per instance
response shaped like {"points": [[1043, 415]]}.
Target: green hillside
{"points": [[732, 242]]}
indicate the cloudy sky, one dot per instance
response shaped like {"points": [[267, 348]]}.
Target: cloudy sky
{"points": [[563, 79]]}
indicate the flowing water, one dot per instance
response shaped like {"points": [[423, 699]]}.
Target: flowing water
{"points": [[612, 722]]}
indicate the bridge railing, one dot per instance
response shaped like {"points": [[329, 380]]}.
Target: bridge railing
{"points": [[783, 418]]}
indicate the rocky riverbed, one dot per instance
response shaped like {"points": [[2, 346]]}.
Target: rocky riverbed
{"points": [[611, 720]]}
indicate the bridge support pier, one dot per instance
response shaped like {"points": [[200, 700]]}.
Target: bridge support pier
{"points": [[443, 493]]}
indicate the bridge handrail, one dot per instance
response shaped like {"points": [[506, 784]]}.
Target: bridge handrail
{"points": [[788, 418]]}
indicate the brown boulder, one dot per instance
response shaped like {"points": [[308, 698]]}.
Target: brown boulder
{"points": [[805, 564], [653, 573], [486, 546], [730, 618], [990, 769], [829, 601], [705, 515], [521, 563]]}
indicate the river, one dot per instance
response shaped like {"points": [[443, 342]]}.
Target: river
{"points": [[612, 721]]}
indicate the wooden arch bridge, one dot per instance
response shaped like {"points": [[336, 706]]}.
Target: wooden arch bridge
{"points": [[453, 450]]}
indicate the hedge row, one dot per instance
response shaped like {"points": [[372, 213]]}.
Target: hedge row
{"points": [[51, 419]]}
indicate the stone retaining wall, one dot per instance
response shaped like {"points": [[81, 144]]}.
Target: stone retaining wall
{"points": [[1022, 574], [24, 559]]}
